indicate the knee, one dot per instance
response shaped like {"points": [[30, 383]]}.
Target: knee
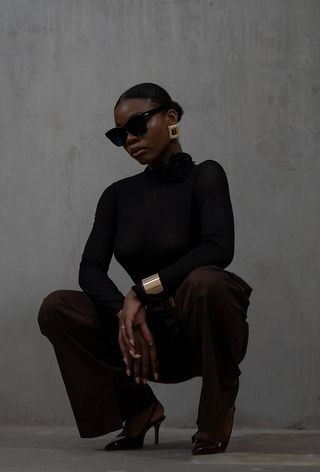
{"points": [[204, 281], [49, 309]]}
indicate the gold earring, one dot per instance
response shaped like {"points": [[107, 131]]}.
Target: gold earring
{"points": [[174, 131]]}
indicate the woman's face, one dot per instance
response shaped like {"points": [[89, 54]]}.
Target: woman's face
{"points": [[155, 143]]}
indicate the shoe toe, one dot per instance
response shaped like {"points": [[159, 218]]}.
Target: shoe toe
{"points": [[202, 447]]}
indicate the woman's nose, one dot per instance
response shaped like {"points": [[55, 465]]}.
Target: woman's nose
{"points": [[131, 139]]}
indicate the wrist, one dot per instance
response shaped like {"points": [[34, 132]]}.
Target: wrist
{"points": [[131, 295], [152, 285]]}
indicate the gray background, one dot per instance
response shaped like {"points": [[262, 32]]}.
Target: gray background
{"points": [[247, 74]]}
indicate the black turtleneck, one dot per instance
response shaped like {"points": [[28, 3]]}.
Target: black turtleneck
{"points": [[169, 221]]}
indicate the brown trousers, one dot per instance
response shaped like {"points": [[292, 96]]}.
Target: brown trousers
{"points": [[205, 335]]}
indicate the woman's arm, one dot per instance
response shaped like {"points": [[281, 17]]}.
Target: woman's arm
{"points": [[94, 266], [215, 217]]}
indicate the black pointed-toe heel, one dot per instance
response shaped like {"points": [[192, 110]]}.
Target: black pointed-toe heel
{"points": [[213, 445], [129, 442]]}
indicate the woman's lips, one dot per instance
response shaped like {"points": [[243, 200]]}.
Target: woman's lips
{"points": [[139, 152]]}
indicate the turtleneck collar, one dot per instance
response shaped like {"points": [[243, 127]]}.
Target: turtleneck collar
{"points": [[176, 169]]}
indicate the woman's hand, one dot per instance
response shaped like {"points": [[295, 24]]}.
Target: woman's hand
{"points": [[143, 360], [134, 314], [136, 340]]}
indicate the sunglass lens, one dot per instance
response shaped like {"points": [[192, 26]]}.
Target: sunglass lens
{"points": [[137, 126], [117, 136]]}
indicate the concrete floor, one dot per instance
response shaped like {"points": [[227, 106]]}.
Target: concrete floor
{"points": [[52, 449]]}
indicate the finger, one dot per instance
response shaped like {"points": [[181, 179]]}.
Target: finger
{"points": [[122, 346], [154, 361], [146, 333], [125, 353], [124, 335], [137, 367], [129, 366], [129, 331], [145, 363], [126, 357]]}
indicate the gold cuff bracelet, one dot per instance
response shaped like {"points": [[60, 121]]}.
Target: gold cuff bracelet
{"points": [[152, 285]]}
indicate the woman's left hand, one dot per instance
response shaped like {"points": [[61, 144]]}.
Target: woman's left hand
{"points": [[143, 360], [136, 340]]}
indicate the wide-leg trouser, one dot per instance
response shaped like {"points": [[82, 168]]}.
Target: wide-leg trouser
{"points": [[205, 335]]}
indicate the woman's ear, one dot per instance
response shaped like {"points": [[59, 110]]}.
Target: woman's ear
{"points": [[172, 117]]}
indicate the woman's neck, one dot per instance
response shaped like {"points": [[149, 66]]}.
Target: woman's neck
{"points": [[174, 147]]}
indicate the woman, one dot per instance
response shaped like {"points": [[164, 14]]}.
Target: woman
{"points": [[171, 228]]}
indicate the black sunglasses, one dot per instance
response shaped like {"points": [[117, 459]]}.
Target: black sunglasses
{"points": [[137, 125]]}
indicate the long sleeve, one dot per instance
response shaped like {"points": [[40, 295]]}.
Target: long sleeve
{"points": [[214, 216], [216, 222], [94, 266]]}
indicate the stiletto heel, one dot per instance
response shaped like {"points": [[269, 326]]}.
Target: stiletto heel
{"points": [[129, 442], [156, 430]]}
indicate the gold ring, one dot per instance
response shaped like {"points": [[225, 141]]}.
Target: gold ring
{"points": [[137, 356], [123, 326]]}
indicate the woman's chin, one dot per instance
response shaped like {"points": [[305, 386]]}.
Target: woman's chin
{"points": [[149, 157], [145, 159]]}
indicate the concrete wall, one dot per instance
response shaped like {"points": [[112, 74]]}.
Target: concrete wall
{"points": [[247, 74]]}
